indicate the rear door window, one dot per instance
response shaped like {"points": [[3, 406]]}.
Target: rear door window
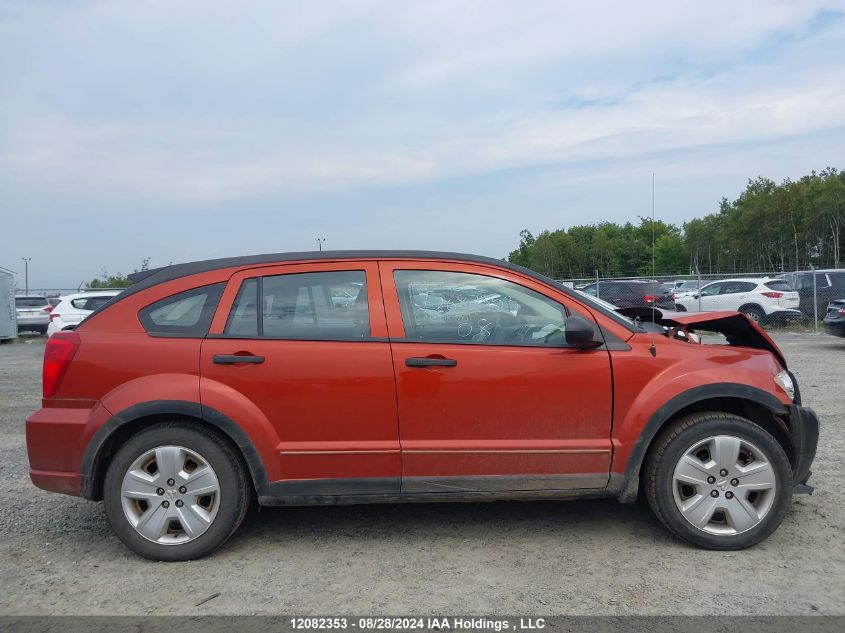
{"points": [[328, 305], [186, 314], [822, 281], [736, 287]]}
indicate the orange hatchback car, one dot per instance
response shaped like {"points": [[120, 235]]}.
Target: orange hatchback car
{"points": [[394, 376]]}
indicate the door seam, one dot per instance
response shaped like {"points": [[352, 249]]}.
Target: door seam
{"points": [[395, 379]]}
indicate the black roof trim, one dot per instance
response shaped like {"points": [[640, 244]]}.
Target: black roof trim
{"points": [[148, 278]]}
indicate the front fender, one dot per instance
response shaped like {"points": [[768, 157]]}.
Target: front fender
{"points": [[628, 456]]}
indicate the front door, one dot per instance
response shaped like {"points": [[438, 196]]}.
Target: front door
{"points": [[304, 348], [710, 299], [490, 397]]}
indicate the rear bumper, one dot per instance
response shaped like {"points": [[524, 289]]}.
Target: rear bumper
{"points": [[836, 328], [34, 320], [804, 428], [55, 441]]}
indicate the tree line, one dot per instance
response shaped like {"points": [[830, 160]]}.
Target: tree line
{"points": [[770, 227]]}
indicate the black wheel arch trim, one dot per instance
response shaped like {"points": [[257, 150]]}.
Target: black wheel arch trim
{"points": [[630, 482], [94, 452]]}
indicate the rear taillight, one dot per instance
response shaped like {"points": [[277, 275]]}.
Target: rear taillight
{"points": [[650, 298], [842, 312], [47, 309], [772, 295], [54, 315], [59, 352]]}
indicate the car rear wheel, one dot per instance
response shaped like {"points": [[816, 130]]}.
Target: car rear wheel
{"points": [[175, 492], [755, 313], [718, 481]]}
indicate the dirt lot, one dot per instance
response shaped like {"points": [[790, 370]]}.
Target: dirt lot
{"points": [[58, 555]]}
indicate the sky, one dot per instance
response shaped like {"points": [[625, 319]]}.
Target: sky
{"points": [[192, 130]]}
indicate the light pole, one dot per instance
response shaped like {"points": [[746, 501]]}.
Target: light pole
{"points": [[26, 273], [320, 241]]}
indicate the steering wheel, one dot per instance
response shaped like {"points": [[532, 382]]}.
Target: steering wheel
{"points": [[486, 325]]}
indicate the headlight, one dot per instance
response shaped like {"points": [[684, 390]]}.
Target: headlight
{"points": [[784, 381]]}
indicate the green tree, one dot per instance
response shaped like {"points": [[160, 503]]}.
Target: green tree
{"points": [[769, 227], [105, 280]]}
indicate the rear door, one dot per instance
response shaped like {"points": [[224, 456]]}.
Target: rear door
{"points": [[735, 294], [294, 347], [490, 397]]}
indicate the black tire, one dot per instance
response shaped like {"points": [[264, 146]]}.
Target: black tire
{"points": [[235, 490], [679, 308], [673, 442], [754, 312]]}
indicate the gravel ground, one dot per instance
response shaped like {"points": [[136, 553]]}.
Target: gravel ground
{"points": [[58, 555]]}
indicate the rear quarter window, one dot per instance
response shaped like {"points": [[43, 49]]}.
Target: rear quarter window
{"points": [[186, 314], [90, 303]]}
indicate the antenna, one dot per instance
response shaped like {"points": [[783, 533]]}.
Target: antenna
{"points": [[653, 349]]}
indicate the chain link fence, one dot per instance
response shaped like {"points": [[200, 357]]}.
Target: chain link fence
{"points": [[798, 299]]}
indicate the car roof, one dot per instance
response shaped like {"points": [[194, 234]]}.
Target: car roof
{"points": [[147, 278], [758, 280], [30, 297]]}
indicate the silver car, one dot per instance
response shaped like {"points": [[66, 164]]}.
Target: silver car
{"points": [[33, 313]]}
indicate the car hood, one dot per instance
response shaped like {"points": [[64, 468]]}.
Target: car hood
{"points": [[737, 328]]}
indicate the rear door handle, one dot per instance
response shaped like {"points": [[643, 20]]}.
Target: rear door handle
{"points": [[232, 359], [430, 362]]}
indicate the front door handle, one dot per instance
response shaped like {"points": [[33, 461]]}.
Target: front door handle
{"points": [[232, 359], [430, 362]]}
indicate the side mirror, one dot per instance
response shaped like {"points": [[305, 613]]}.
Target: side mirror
{"points": [[580, 333]]}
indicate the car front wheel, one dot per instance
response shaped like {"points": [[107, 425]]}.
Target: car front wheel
{"points": [[718, 481], [175, 492]]}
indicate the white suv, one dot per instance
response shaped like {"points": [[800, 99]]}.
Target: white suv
{"points": [[759, 299], [73, 308]]}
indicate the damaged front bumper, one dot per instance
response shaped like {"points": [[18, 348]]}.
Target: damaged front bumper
{"points": [[804, 429]]}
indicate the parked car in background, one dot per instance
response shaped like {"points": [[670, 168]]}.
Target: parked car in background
{"points": [[830, 286], [631, 294], [179, 403], [759, 299], [834, 319], [667, 287], [73, 308], [33, 313], [685, 288]]}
